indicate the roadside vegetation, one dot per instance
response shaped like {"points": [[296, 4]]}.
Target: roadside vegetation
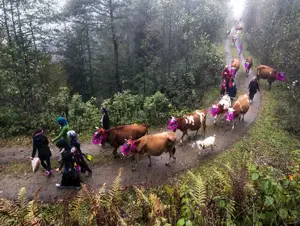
{"points": [[256, 182]]}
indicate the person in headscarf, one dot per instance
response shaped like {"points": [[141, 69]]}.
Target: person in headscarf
{"points": [[64, 128], [253, 88], [77, 153], [70, 174], [226, 73], [104, 123], [40, 143]]}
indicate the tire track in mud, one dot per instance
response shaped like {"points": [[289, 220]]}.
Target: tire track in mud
{"points": [[187, 157]]}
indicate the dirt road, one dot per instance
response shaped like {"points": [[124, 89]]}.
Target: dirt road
{"points": [[106, 172]]}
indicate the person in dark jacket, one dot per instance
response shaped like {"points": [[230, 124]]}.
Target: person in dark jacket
{"points": [[40, 144], [232, 90], [70, 175], [104, 119], [77, 153], [253, 88], [223, 88]]}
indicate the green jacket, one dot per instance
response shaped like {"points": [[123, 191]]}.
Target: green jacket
{"points": [[63, 134]]}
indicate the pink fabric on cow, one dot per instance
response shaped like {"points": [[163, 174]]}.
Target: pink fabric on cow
{"points": [[230, 114], [127, 149], [215, 109], [173, 124]]}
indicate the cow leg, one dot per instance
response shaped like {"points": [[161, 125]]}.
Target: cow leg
{"points": [[150, 163], [243, 118], [133, 157], [168, 162], [222, 120], [183, 133], [173, 152], [233, 124], [270, 84], [137, 157], [115, 153], [196, 133]]}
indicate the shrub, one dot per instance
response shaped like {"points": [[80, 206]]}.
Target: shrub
{"points": [[126, 108]]}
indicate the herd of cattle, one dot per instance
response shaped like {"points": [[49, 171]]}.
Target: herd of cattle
{"points": [[136, 141]]}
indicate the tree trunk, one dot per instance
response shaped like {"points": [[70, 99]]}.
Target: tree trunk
{"points": [[6, 25], [116, 47], [90, 60], [169, 45]]}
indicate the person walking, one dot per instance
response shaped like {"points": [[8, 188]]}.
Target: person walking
{"points": [[70, 174], [232, 90], [253, 88], [77, 153], [41, 144], [64, 128], [104, 122], [223, 88], [240, 48]]}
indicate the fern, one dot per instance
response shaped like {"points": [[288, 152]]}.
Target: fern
{"points": [[141, 197], [198, 192], [78, 203], [114, 192], [97, 204], [22, 203], [7, 211], [33, 215], [21, 212], [230, 209]]}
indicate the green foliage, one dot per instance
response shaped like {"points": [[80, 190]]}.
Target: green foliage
{"points": [[271, 36], [127, 108], [82, 116], [276, 198]]}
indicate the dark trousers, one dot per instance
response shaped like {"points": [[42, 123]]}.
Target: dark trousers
{"points": [[222, 92], [251, 95], [70, 180], [47, 165]]}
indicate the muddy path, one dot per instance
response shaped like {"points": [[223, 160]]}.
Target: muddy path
{"points": [[187, 157]]}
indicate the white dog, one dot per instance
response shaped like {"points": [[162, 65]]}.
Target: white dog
{"points": [[203, 144]]}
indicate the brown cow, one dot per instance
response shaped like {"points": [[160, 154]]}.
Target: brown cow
{"points": [[152, 145], [235, 66], [248, 65], [116, 136], [268, 73], [191, 122], [239, 109]]}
